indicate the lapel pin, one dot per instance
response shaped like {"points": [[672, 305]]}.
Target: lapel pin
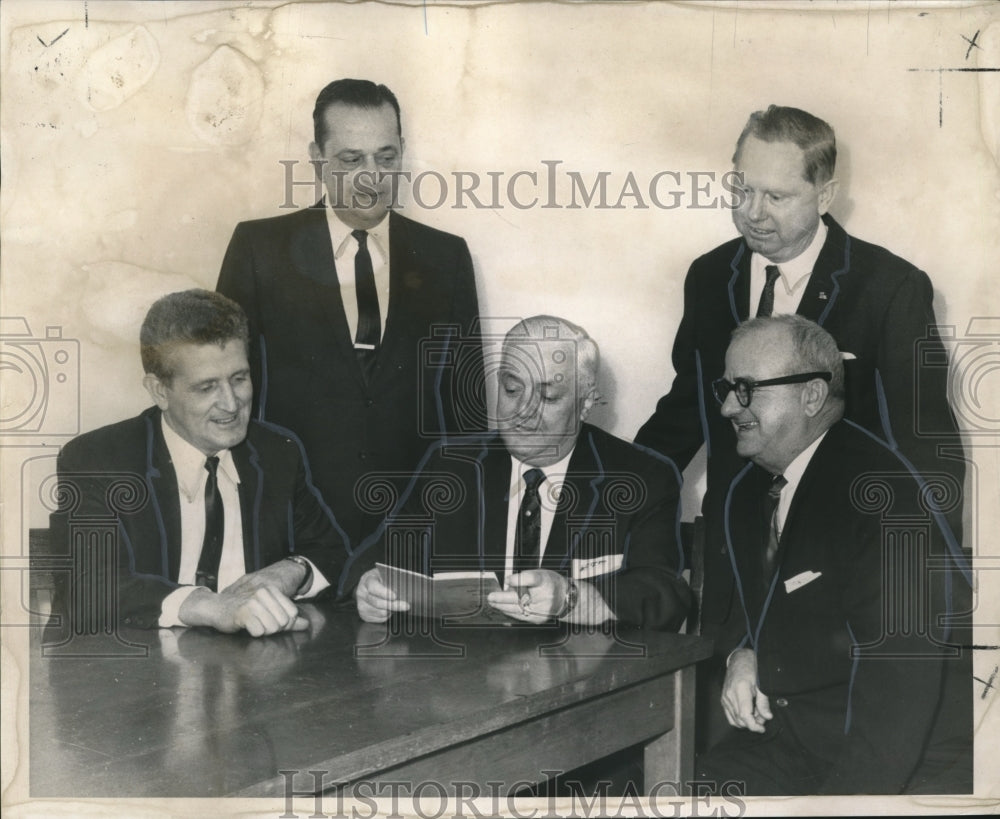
{"points": [[822, 295]]}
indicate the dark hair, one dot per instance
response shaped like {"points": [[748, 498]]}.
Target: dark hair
{"points": [[814, 136], [358, 93], [191, 317]]}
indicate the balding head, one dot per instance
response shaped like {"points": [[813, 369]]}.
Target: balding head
{"points": [[547, 384], [781, 420]]}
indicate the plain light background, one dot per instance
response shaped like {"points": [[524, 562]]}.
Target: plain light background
{"points": [[134, 137]]}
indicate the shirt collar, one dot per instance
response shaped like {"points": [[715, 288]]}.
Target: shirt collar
{"points": [[794, 471], [795, 270], [189, 462], [343, 241], [555, 473]]}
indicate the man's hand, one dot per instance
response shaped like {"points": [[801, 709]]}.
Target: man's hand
{"points": [[745, 705], [284, 576], [260, 611], [540, 594], [376, 602], [533, 596]]}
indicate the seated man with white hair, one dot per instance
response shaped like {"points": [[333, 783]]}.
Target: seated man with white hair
{"points": [[580, 525]]}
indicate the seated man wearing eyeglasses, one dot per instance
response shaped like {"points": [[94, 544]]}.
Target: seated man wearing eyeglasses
{"points": [[845, 666]]}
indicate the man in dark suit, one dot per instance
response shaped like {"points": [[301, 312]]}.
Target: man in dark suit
{"points": [[212, 518], [793, 257], [844, 671], [359, 323], [581, 525]]}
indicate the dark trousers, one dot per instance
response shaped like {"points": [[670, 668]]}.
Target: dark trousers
{"points": [[802, 743]]}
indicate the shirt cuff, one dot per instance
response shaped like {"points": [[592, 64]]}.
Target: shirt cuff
{"points": [[170, 608], [729, 658], [316, 585]]}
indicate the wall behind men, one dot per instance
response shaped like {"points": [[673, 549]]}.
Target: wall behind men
{"points": [[134, 136], [136, 140]]}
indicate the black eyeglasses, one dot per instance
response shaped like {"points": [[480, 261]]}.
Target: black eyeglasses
{"points": [[744, 387]]}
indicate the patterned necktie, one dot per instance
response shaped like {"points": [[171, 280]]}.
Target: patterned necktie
{"points": [[766, 304], [215, 528], [528, 537], [771, 516], [366, 339]]}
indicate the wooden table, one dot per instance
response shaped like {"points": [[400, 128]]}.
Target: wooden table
{"points": [[195, 713]]}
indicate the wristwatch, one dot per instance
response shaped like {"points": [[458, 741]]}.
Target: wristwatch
{"points": [[307, 580], [569, 602]]}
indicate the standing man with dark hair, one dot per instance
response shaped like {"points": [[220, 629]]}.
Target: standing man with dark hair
{"points": [[216, 521], [793, 257], [341, 297]]}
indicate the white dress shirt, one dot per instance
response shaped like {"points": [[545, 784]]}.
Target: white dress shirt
{"points": [[793, 474], [791, 283], [189, 466], [549, 491], [345, 247]]}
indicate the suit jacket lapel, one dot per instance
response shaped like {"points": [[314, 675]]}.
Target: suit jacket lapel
{"points": [[495, 497], [312, 257], [251, 486], [822, 288], [739, 284], [747, 531], [579, 500], [164, 494], [814, 472], [824, 284], [402, 272]]}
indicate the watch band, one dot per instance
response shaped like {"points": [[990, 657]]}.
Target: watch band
{"points": [[569, 602], [307, 580]]}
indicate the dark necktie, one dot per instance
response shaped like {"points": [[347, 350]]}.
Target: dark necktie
{"points": [[771, 516], [215, 528], [766, 304], [369, 331], [528, 537]]}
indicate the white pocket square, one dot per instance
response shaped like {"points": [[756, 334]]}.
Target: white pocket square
{"points": [[800, 580], [848, 356]]}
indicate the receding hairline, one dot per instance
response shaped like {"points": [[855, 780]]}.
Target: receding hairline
{"points": [[195, 316], [588, 358], [332, 105], [813, 136], [354, 93], [747, 333], [808, 344]]}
